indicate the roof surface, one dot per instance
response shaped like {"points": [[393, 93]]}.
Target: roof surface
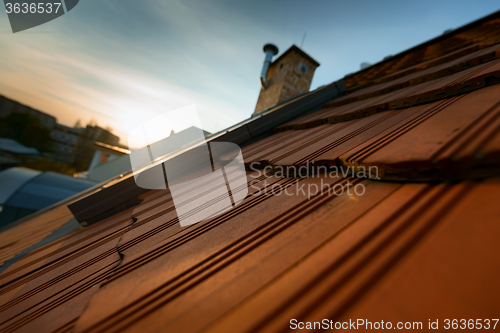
{"points": [[13, 146], [420, 243]]}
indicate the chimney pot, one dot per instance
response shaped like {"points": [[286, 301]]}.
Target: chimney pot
{"points": [[270, 50]]}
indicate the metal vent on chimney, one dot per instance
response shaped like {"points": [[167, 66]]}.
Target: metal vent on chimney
{"points": [[270, 50]]}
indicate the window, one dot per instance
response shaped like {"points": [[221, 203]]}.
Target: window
{"points": [[281, 66], [303, 68]]}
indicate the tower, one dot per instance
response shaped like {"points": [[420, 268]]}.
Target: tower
{"points": [[286, 77]]}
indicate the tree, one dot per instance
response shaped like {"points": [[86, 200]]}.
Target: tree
{"points": [[78, 124], [25, 129]]}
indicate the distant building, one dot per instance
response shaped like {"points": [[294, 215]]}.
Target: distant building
{"points": [[94, 132], [64, 140], [7, 106], [69, 145], [108, 161], [85, 148], [106, 153]]}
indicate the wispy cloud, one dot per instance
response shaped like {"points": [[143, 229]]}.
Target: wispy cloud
{"points": [[120, 61]]}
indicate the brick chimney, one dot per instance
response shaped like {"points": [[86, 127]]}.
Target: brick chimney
{"points": [[288, 76]]}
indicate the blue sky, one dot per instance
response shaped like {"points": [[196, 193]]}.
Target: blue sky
{"points": [[122, 61]]}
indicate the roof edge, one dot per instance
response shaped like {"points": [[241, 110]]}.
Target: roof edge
{"points": [[431, 41], [298, 50]]}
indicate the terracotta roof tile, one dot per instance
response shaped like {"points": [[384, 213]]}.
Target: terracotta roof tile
{"points": [[20, 237], [455, 138], [464, 81], [41, 283], [414, 257], [422, 76], [261, 237]]}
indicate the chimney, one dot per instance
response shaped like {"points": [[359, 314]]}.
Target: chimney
{"points": [[270, 50], [288, 76]]}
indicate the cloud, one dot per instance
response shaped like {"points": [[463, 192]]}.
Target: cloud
{"points": [[119, 61]]}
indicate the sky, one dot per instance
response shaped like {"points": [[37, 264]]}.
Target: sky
{"points": [[121, 62]]}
